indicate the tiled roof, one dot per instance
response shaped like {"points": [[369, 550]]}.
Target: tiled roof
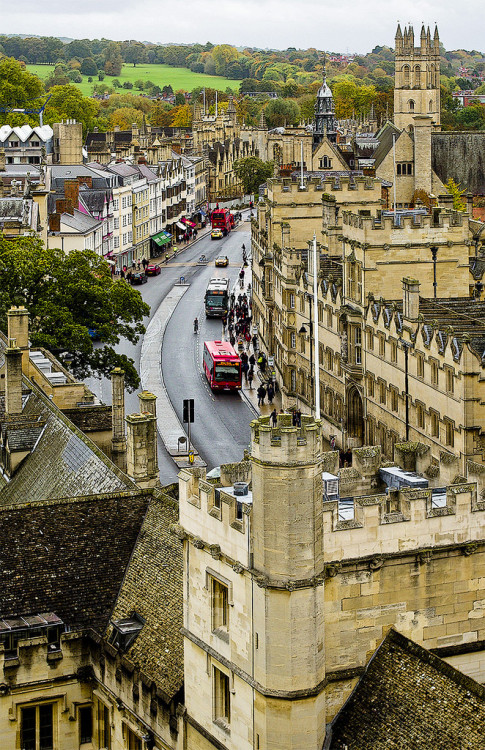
{"points": [[460, 156], [385, 138], [157, 562], [68, 556], [409, 699], [64, 462], [91, 418], [79, 221]]}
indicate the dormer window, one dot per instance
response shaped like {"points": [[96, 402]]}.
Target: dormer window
{"points": [[125, 631]]}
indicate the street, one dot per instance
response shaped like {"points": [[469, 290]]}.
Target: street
{"points": [[221, 428]]}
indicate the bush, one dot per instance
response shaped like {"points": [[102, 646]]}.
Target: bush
{"points": [[127, 85]]}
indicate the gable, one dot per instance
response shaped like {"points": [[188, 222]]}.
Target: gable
{"points": [[326, 152]]}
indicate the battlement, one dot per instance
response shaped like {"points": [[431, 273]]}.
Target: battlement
{"points": [[326, 183], [403, 521], [389, 222], [286, 444]]}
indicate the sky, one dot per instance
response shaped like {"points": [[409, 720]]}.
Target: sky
{"points": [[332, 25]]}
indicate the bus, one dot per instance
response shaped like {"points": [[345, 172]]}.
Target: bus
{"points": [[222, 219], [222, 366], [217, 298]]}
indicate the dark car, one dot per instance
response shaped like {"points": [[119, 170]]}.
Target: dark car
{"points": [[139, 278], [152, 270]]}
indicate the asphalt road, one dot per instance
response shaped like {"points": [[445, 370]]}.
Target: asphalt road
{"points": [[221, 429]]}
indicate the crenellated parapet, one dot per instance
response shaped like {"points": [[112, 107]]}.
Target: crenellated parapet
{"points": [[285, 444]]}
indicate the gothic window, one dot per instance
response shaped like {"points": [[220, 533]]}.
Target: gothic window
{"points": [[354, 283], [405, 71], [325, 163], [411, 105], [417, 77]]}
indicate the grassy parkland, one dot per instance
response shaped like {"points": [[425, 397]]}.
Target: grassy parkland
{"points": [[160, 75]]}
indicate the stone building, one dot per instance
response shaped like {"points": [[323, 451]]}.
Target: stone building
{"points": [[364, 327], [289, 591]]}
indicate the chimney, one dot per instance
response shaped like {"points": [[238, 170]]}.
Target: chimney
{"points": [[54, 222], [148, 403], [410, 289], [142, 458], [13, 379], [118, 441], [71, 192], [18, 330], [85, 180]]}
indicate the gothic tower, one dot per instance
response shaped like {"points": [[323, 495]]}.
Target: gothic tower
{"points": [[325, 124], [417, 77]]}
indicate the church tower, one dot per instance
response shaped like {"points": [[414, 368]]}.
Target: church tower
{"points": [[325, 124], [417, 77]]}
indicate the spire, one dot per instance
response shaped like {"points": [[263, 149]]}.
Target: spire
{"points": [[398, 32], [436, 40]]}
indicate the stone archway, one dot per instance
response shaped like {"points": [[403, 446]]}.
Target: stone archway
{"points": [[355, 418]]}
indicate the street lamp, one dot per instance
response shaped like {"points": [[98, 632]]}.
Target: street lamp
{"points": [[434, 253], [406, 345]]}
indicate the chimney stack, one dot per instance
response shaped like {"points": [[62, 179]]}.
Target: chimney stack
{"points": [[118, 442], [148, 403], [13, 379], [18, 329], [71, 194], [142, 458], [410, 289]]}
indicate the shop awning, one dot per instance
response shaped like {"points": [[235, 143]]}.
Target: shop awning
{"points": [[162, 238], [181, 226], [189, 223]]}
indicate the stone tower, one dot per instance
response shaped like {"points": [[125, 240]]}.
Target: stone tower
{"points": [[417, 77], [324, 114]]}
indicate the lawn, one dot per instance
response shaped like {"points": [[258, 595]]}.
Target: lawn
{"points": [[160, 75]]}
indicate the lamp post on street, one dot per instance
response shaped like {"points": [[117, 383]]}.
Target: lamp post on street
{"points": [[313, 324]]}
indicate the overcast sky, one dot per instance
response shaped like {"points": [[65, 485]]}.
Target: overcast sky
{"points": [[334, 25]]}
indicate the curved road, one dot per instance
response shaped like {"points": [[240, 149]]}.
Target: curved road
{"points": [[221, 428]]}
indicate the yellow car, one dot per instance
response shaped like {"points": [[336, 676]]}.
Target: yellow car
{"points": [[216, 234], [222, 260]]}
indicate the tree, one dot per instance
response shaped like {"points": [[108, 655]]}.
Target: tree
{"points": [[17, 88], [89, 67], [453, 189], [66, 295], [161, 114], [253, 172], [281, 112], [179, 99], [113, 60], [181, 117], [135, 53], [67, 102]]}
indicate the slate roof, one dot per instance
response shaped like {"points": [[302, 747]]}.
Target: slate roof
{"points": [[68, 556], [157, 561], [79, 221], [91, 418], [460, 156], [409, 699], [385, 137], [64, 462]]}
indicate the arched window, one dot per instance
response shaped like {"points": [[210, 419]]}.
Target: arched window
{"points": [[417, 77], [411, 105], [406, 71]]}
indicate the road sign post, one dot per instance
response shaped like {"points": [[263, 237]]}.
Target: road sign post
{"points": [[188, 414]]}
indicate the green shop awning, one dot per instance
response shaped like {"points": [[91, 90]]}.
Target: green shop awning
{"points": [[162, 238]]}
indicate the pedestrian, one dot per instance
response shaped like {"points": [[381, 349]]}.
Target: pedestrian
{"points": [[232, 340], [250, 377], [252, 360], [245, 369], [244, 357], [274, 418], [144, 264], [332, 442], [262, 364], [298, 417], [270, 393], [255, 343], [122, 273], [261, 394]]}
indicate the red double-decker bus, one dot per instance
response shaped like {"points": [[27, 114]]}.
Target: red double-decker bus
{"points": [[222, 219], [222, 366]]}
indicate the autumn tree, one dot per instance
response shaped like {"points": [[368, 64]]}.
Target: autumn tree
{"points": [[66, 295], [113, 59], [18, 88], [253, 172]]}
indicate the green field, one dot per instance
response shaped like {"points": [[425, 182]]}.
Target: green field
{"points": [[160, 75]]}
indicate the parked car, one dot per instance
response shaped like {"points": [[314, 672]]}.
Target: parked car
{"points": [[222, 260], [152, 269], [217, 234], [139, 278]]}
